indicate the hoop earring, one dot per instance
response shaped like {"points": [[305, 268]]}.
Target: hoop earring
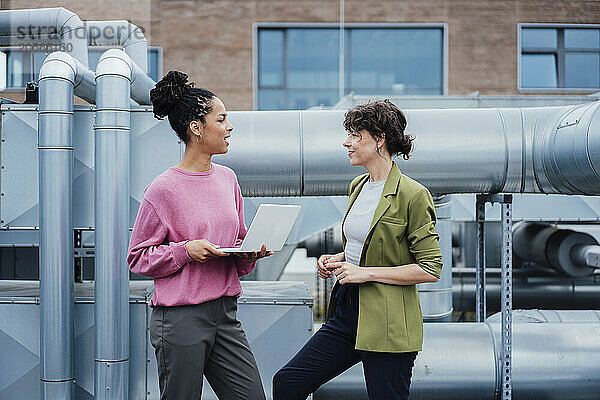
{"points": [[377, 149], [198, 137]]}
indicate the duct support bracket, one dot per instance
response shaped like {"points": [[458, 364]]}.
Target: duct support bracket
{"points": [[480, 299], [505, 201], [78, 262]]}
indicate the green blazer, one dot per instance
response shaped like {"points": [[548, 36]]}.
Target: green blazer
{"points": [[402, 232]]}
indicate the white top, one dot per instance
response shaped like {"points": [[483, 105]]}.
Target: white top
{"points": [[359, 218]]}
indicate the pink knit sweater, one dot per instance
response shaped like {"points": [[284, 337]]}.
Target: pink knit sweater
{"points": [[179, 206]]}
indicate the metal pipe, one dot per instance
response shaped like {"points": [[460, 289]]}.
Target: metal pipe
{"points": [[551, 360], [436, 298], [60, 77], [537, 316], [120, 33], [45, 26], [554, 247], [529, 270], [588, 255], [532, 293], [115, 78], [501, 150]]}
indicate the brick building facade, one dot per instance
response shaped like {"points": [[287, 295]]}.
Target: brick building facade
{"points": [[213, 40]]}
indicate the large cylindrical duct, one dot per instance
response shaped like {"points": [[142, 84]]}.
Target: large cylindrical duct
{"points": [[531, 293], [550, 360], [115, 77], [436, 298], [549, 246], [537, 316], [60, 77], [111, 217], [120, 33], [45, 27], [508, 150]]}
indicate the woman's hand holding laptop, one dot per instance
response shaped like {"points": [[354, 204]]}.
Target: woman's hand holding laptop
{"points": [[250, 257], [202, 250]]}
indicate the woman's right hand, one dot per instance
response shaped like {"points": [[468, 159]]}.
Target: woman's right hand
{"points": [[326, 259], [202, 250]]}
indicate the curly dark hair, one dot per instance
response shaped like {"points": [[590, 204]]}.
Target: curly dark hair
{"points": [[179, 100], [382, 119]]}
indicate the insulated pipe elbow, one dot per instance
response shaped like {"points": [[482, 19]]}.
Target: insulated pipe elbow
{"points": [[112, 100], [73, 32], [60, 65], [114, 62], [136, 46], [120, 33], [117, 62], [56, 82], [23, 26]]}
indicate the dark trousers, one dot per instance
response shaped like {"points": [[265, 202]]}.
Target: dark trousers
{"points": [[206, 338], [331, 351]]}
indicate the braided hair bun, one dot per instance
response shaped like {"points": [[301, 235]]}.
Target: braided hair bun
{"points": [[168, 92], [176, 98]]}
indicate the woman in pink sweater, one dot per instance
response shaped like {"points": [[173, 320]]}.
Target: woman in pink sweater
{"points": [[186, 214]]}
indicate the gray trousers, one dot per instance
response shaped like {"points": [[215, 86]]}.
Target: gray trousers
{"points": [[204, 339]]}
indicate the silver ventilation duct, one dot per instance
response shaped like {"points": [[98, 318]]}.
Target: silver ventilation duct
{"points": [[507, 150], [120, 33], [555, 356], [45, 27], [117, 79], [436, 298], [563, 250], [530, 292], [61, 76]]}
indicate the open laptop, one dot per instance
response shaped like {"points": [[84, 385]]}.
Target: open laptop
{"points": [[271, 225]]}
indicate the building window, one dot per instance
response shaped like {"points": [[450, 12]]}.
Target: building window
{"points": [[24, 66], [559, 58], [298, 67], [154, 60]]}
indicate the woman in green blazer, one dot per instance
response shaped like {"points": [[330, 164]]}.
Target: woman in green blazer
{"points": [[390, 245]]}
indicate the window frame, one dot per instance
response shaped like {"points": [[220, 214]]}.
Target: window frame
{"points": [[286, 25], [16, 89], [560, 56], [159, 70]]}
